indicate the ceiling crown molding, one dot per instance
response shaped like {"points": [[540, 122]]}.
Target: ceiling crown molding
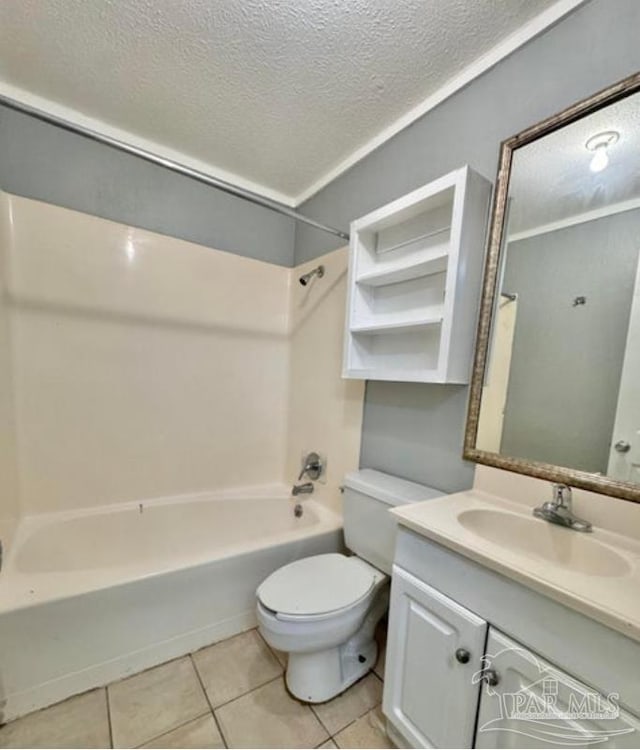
{"points": [[72, 115], [524, 34]]}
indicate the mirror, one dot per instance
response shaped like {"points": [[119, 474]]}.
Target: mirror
{"points": [[556, 384]]}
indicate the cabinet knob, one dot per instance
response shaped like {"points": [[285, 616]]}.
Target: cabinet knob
{"points": [[463, 656], [622, 446], [491, 677]]}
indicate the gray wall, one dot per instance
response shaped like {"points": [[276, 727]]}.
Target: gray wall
{"points": [[416, 431], [567, 361], [41, 161]]}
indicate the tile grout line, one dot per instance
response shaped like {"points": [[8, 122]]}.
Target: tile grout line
{"points": [[178, 726], [271, 651], [325, 742], [331, 736], [346, 726], [248, 692], [257, 687], [253, 690], [351, 723], [313, 711], [108, 702], [206, 696]]}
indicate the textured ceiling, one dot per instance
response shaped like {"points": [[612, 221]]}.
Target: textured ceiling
{"points": [[277, 92], [551, 179]]}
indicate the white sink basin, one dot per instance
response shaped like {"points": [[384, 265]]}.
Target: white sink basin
{"points": [[572, 550]]}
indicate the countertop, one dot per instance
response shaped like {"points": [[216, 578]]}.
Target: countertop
{"points": [[571, 579]]}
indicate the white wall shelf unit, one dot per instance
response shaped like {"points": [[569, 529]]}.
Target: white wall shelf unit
{"points": [[414, 283]]}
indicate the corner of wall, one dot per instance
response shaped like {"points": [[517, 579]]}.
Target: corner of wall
{"points": [[325, 410], [9, 487]]}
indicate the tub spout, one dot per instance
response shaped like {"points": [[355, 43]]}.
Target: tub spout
{"points": [[302, 489]]}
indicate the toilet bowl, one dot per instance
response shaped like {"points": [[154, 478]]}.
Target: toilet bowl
{"points": [[323, 611]]}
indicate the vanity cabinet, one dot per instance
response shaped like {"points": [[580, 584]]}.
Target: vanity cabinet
{"points": [[429, 634], [527, 683], [413, 286], [477, 660]]}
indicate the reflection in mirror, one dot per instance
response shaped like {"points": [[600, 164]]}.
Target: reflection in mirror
{"points": [[562, 378]]}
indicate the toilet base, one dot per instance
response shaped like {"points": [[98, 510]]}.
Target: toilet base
{"points": [[318, 676]]}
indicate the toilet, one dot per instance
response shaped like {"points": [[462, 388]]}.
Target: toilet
{"points": [[323, 610]]}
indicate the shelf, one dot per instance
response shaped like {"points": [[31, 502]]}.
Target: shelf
{"points": [[405, 269], [415, 268], [399, 375], [411, 240], [398, 325]]}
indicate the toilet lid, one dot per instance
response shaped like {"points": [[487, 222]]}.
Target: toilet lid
{"points": [[316, 585]]}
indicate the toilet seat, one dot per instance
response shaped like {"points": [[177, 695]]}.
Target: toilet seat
{"points": [[317, 587]]}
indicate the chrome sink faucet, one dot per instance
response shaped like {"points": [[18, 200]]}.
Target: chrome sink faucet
{"points": [[560, 510]]}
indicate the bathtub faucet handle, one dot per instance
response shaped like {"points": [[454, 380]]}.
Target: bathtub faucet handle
{"points": [[311, 466]]}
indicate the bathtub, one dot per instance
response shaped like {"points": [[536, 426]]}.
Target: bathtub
{"points": [[93, 596]]}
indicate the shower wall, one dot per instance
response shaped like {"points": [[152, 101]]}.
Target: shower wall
{"points": [[146, 366], [325, 410], [143, 365], [8, 456]]}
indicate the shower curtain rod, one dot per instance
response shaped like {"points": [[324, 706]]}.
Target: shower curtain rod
{"points": [[170, 164]]}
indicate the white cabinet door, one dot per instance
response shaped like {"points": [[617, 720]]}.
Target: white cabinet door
{"points": [[429, 696], [533, 704]]}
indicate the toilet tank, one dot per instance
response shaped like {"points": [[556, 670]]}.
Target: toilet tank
{"points": [[369, 528]]}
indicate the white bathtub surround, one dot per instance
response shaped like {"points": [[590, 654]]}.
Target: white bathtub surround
{"points": [[145, 366], [94, 596], [161, 408], [325, 411], [9, 508]]}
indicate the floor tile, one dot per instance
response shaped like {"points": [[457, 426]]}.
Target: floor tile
{"points": [[281, 656], [81, 721], [269, 717], [367, 732], [231, 668], [200, 733], [151, 703], [328, 745], [353, 703]]}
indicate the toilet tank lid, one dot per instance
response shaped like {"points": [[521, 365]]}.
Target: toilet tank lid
{"points": [[389, 489]]}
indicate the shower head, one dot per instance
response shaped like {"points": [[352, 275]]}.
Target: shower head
{"points": [[306, 278]]}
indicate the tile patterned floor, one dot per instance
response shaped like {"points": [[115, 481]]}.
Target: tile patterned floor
{"points": [[231, 694]]}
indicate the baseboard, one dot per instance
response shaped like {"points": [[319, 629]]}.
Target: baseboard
{"points": [[101, 674]]}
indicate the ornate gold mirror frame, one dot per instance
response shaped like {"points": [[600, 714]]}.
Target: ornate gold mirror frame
{"points": [[551, 472]]}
